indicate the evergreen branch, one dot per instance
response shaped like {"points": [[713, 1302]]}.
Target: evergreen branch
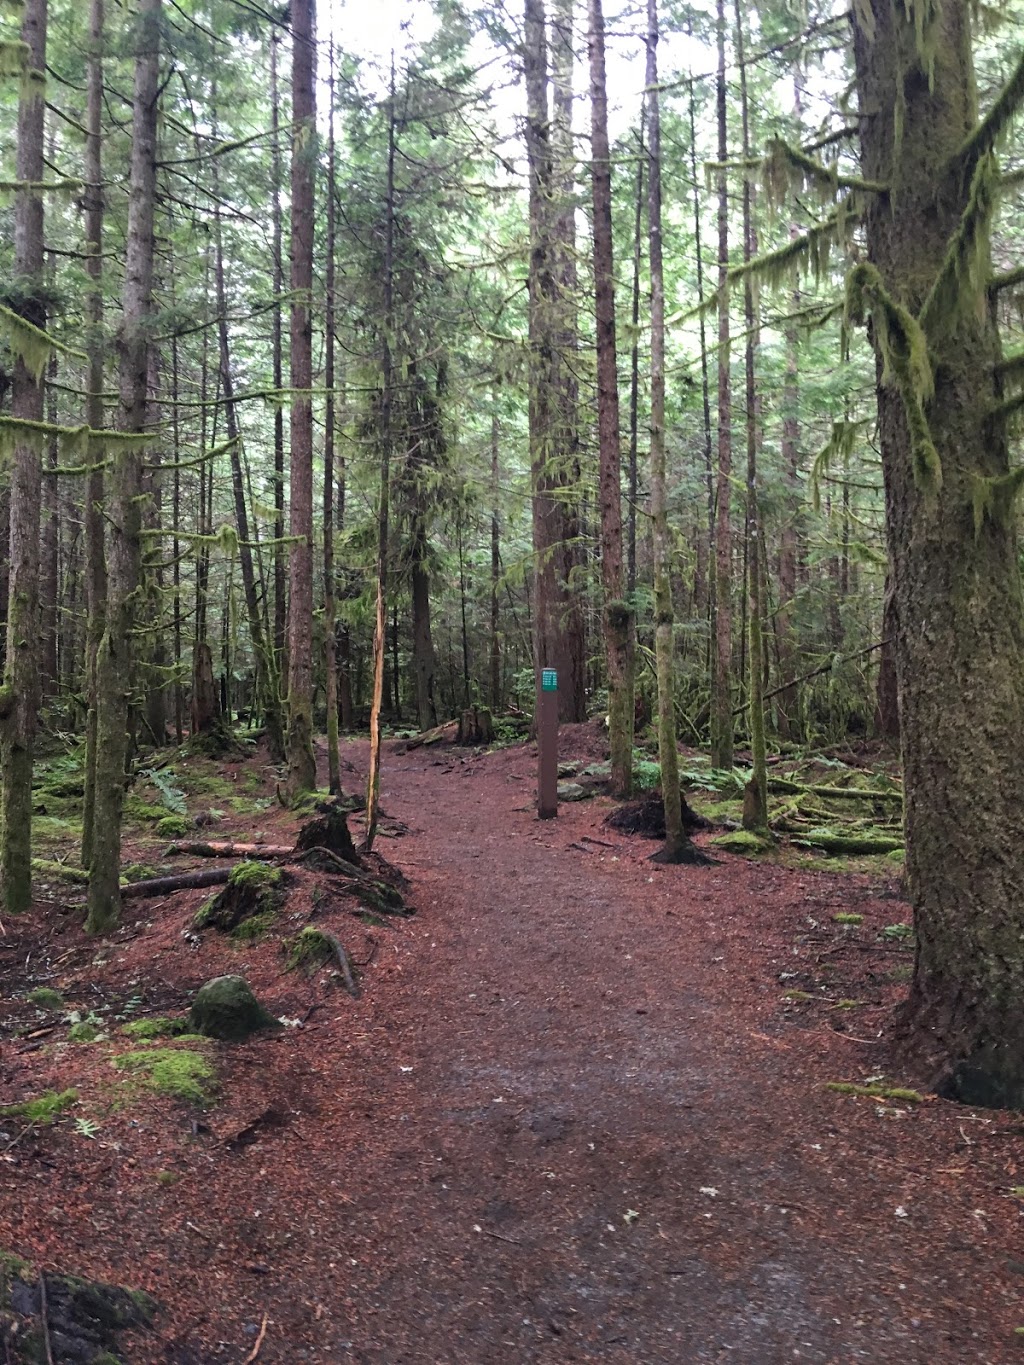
{"points": [[1006, 280], [959, 281], [1009, 407], [784, 165], [1012, 366], [992, 127]]}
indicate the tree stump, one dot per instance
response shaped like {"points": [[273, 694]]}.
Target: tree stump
{"points": [[253, 890], [476, 726], [328, 830]]}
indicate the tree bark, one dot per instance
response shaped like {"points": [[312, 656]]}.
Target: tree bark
{"points": [[277, 361], [721, 681], [301, 760], [116, 656], [330, 614], [956, 581], [619, 619], [21, 681], [677, 847]]}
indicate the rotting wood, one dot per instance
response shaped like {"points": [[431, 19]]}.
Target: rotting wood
{"points": [[343, 960], [181, 881], [264, 852], [433, 736]]}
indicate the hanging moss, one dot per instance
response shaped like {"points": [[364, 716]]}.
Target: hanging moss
{"points": [[812, 249], [993, 499], [13, 57], [962, 281], [30, 343], [786, 169], [905, 363]]}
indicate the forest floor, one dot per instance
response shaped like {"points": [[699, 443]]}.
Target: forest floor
{"points": [[579, 1113]]}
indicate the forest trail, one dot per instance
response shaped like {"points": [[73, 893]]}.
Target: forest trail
{"points": [[577, 1140], [579, 1112]]}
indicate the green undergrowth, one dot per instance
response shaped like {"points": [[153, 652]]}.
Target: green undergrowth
{"points": [[43, 1110], [255, 927], [744, 841], [181, 1073]]}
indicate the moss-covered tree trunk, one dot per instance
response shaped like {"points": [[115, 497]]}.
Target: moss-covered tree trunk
{"points": [[301, 761], [619, 624], [21, 682], [952, 540], [115, 657]]}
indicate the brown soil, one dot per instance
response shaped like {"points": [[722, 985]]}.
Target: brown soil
{"points": [[578, 1114]]}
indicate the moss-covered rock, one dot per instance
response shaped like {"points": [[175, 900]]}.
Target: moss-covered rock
{"points": [[743, 841], [45, 998], [173, 827], [226, 1008]]}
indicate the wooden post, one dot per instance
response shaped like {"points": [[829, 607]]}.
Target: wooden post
{"points": [[547, 745]]}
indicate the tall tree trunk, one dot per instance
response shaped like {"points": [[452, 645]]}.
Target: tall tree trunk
{"points": [[634, 363], [721, 684], [548, 524], [277, 328], [619, 621], [21, 682], [268, 689], [572, 639], [496, 698], [49, 576], [788, 702], [755, 797], [384, 503], [952, 538], [301, 760], [115, 658], [705, 387], [179, 697], [677, 847], [422, 643], [330, 652]]}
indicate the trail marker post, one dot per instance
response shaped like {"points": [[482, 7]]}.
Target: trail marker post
{"points": [[547, 745]]}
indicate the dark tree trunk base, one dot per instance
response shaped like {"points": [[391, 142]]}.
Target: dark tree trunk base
{"points": [[476, 726]]}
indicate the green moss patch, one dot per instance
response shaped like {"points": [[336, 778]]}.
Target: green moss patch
{"points": [[44, 1109], [743, 841], [45, 998], [139, 812], [848, 919], [145, 1029], [178, 1072], [309, 949], [174, 827], [255, 890]]}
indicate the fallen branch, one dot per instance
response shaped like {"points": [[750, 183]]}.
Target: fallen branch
{"points": [[814, 673], [231, 850], [259, 1342], [344, 962], [182, 881], [44, 1316]]}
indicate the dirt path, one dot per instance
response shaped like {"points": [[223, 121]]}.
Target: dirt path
{"points": [[572, 1145], [578, 1114]]}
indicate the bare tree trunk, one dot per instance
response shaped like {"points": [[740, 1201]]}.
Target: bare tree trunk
{"points": [[115, 659], [705, 387], [179, 699], [50, 545], [634, 364], [268, 689], [301, 761], [330, 652], [495, 653], [721, 687], [755, 796], [677, 846], [384, 505], [21, 683], [619, 620], [572, 638]]}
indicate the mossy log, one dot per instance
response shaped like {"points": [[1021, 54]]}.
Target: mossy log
{"points": [[849, 844], [181, 881], [783, 786]]}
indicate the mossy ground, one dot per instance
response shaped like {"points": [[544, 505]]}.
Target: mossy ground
{"points": [[179, 1072], [44, 1109], [146, 1029]]}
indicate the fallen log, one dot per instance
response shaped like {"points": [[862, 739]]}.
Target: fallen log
{"points": [[182, 881], [264, 852], [431, 736]]}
